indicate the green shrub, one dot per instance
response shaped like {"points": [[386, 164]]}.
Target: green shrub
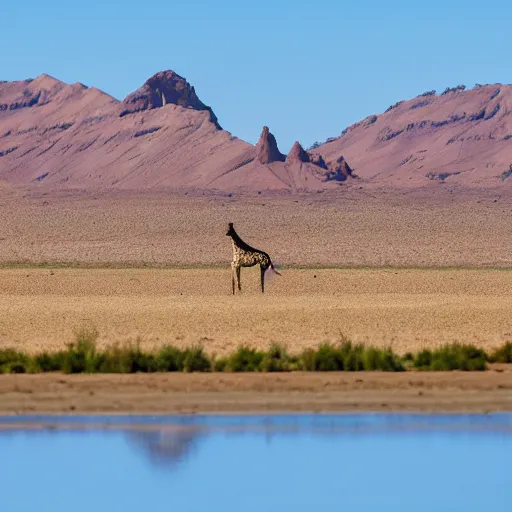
{"points": [[83, 356], [423, 359], [245, 359], [220, 365], [331, 358], [169, 359], [192, 359], [307, 360], [14, 367], [502, 354], [408, 357], [195, 360], [452, 357], [12, 361], [327, 358], [348, 357], [352, 356], [127, 359], [277, 359], [384, 360], [49, 362]]}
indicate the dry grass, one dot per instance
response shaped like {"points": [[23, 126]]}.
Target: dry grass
{"points": [[405, 309]]}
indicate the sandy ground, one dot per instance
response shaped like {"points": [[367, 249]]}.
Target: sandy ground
{"points": [[406, 309], [196, 393], [352, 228]]}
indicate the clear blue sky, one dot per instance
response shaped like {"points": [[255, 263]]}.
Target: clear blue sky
{"points": [[307, 69]]}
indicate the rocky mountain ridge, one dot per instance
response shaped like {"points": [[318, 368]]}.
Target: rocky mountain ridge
{"points": [[457, 137], [162, 136]]}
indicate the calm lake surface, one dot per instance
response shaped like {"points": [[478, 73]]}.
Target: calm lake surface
{"points": [[257, 463]]}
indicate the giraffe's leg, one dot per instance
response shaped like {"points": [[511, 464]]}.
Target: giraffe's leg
{"points": [[262, 273], [233, 277], [238, 269]]}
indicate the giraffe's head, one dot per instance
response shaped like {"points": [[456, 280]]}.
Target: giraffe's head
{"points": [[231, 230]]}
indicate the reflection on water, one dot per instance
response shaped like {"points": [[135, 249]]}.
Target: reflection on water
{"points": [[288, 462], [164, 448]]}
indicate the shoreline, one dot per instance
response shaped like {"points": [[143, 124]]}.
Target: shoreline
{"points": [[249, 394]]}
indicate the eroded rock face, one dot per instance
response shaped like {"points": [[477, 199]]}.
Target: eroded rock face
{"points": [[163, 88], [318, 160], [266, 148], [297, 154], [339, 171]]}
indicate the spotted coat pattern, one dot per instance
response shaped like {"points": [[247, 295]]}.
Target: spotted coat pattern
{"points": [[246, 256]]}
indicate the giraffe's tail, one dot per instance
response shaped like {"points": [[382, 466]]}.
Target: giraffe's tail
{"points": [[274, 269]]}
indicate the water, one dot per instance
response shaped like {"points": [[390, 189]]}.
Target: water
{"points": [[257, 463]]}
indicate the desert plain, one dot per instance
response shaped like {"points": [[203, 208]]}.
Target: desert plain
{"points": [[406, 270]]}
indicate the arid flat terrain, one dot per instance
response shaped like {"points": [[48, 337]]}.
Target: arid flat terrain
{"points": [[184, 294], [405, 309], [371, 264], [196, 393], [436, 227]]}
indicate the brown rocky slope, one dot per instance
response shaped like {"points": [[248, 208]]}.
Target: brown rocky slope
{"points": [[163, 136], [160, 136], [461, 137]]}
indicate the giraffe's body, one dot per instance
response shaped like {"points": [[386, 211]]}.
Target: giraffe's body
{"points": [[246, 256]]}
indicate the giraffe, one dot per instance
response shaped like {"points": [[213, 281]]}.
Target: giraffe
{"points": [[246, 256]]}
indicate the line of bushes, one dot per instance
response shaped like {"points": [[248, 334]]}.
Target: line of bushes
{"points": [[83, 356]]}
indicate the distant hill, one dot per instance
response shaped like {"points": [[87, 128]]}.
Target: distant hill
{"points": [[162, 136], [159, 136], [457, 137]]}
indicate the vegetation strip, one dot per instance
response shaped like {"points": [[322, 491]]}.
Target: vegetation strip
{"points": [[83, 356]]}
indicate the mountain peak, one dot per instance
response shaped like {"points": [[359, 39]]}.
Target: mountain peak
{"points": [[266, 148], [297, 154], [162, 88], [45, 81]]}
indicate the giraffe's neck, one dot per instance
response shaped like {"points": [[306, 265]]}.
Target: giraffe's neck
{"points": [[238, 243], [235, 246], [239, 246]]}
